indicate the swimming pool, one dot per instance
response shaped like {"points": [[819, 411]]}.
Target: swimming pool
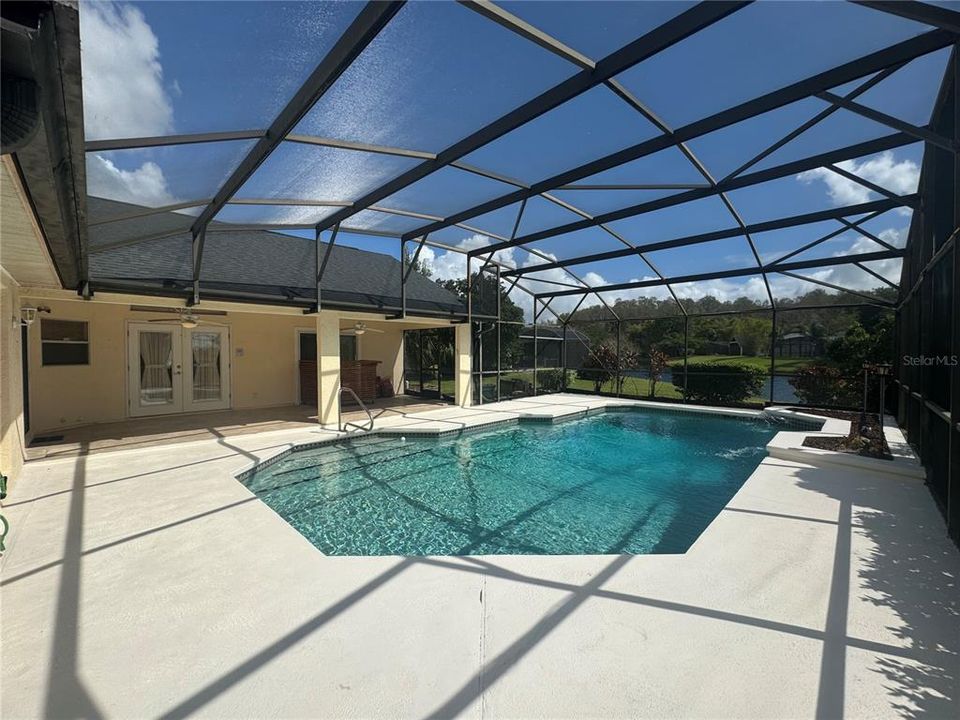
{"points": [[630, 481]]}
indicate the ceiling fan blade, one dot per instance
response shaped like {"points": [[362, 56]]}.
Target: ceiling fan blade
{"points": [[374, 330]]}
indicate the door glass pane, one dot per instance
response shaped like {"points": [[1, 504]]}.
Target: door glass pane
{"points": [[429, 368], [156, 368], [348, 347], [411, 361], [308, 346], [206, 365]]}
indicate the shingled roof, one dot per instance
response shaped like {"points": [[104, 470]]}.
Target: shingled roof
{"points": [[260, 261]]}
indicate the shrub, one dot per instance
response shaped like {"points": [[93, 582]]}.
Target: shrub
{"points": [[859, 345], [598, 366], [603, 365], [719, 384], [658, 363], [820, 385], [551, 380]]}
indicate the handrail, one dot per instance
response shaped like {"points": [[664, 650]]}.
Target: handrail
{"points": [[342, 425]]}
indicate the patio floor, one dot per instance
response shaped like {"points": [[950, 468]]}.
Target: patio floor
{"points": [[171, 429], [147, 582]]}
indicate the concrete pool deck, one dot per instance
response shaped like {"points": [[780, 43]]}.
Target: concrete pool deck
{"points": [[150, 582]]}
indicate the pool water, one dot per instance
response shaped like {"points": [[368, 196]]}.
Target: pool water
{"points": [[621, 482]]}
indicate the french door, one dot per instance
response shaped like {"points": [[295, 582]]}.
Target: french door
{"points": [[173, 369]]}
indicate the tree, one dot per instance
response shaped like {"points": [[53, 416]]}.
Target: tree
{"points": [[658, 363], [603, 365], [629, 360], [840, 382], [419, 266], [483, 295], [664, 334], [824, 386], [511, 314], [598, 366], [753, 334], [859, 345]]}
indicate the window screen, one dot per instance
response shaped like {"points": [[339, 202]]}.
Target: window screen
{"points": [[64, 342]]}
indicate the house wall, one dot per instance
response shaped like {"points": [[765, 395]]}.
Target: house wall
{"points": [[263, 362], [388, 349], [25, 262], [11, 380]]}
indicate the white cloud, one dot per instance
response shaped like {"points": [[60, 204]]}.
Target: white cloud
{"points": [[852, 277], [845, 276], [883, 170], [450, 265], [446, 265], [895, 236], [144, 186], [728, 290], [124, 94], [723, 290]]}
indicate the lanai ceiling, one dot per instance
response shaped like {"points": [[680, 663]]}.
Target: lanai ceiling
{"points": [[590, 152]]}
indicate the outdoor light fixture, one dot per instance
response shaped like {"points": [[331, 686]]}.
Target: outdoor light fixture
{"points": [[28, 315]]}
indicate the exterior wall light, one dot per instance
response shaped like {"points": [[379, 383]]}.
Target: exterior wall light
{"points": [[28, 315]]}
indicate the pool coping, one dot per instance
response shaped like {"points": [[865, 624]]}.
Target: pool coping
{"points": [[813, 423], [785, 445], [788, 445]]}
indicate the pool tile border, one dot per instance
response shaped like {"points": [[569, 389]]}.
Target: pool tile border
{"points": [[792, 421]]}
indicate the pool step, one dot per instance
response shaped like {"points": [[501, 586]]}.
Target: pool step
{"points": [[341, 456]]}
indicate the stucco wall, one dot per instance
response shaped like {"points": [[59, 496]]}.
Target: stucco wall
{"points": [[263, 362], [11, 388], [388, 349]]}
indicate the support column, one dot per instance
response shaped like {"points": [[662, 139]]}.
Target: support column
{"points": [[463, 393], [328, 369]]}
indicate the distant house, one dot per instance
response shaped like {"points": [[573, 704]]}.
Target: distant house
{"points": [[798, 345], [722, 347]]}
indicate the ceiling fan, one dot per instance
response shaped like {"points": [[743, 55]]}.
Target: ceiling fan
{"points": [[359, 328], [186, 318]]}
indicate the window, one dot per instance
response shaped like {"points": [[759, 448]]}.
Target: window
{"points": [[308, 346], [348, 347], [64, 342]]}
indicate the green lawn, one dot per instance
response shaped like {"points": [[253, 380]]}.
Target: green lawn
{"points": [[640, 388], [637, 387], [633, 387], [446, 385], [783, 365], [666, 390]]}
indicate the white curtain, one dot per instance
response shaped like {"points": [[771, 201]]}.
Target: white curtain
{"points": [[206, 366], [156, 367]]}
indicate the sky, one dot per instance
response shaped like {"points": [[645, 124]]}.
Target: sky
{"points": [[440, 71]]}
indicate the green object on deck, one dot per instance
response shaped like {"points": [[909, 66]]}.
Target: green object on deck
{"points": [[3, 520]]}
